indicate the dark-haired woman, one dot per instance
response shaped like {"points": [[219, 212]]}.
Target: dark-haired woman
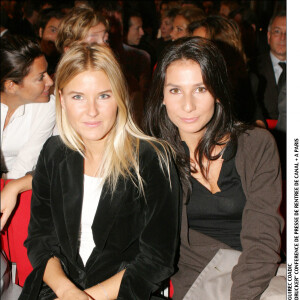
{"points": [[27, 115], [230, 172]]}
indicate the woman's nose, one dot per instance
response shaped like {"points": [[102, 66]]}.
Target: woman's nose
{"points": [[91, 108], [188, 103], [48, 80]]}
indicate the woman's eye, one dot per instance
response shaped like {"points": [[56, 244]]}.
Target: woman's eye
{"points": [[175, 91], [41, 78], [77, 97], [200, 89], [104, 96], [179, 29]]}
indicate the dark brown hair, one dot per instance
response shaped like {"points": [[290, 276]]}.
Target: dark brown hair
{"points": [[221, 127], [17, 54]]}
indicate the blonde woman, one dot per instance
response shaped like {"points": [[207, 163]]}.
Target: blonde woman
{"points": [[104, 218]]}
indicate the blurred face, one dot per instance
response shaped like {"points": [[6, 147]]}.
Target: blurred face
{"points": [[201, 31], [50, 31], [48, 36], [97, 34], [166, 28], [277, 38], [90, 105], [135, 31], [164, 7], [35, 86], [224, 10], [179, 28], [190, 106]]}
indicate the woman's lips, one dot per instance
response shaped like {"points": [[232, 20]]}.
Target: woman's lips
{"points": [[189, 120], [92, 124]]}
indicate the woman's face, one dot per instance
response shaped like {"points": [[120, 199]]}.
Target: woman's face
{"points": [[201, 31], [190, 106], [35, 86], [90, 105], [180, 25], [97, 34], [166, 28]]}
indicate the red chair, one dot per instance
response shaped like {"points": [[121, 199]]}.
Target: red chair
{"points": [[271, 123], [14, 235]]}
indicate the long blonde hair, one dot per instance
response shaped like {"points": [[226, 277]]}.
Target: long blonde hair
{"points": [[121, 154]]}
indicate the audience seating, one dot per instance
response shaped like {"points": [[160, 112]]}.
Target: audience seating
{"points": [[14, 235]]}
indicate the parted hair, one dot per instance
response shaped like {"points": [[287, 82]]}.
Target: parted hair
{"points": [[75, 26], [222, 125], [17, 54], [121, 154]]}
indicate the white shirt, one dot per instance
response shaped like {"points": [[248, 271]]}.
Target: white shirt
{"points": [[91, 196], [24, 136], [276, 67]]}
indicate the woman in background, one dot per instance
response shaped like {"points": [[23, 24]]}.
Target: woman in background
{"points": [[230, 172], [27, 115], [105, 205], [184, 17], [166, 28]]}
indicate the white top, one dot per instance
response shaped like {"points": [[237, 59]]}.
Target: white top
{"points": [[91, 196], [23, 137], [276, 67]]}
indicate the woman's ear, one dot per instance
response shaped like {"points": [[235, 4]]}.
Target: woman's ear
{"points": [[10, 86], [41, 32], [61, 98]]}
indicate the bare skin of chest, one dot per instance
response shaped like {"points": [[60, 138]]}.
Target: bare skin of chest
{"points": [[211, 183]]}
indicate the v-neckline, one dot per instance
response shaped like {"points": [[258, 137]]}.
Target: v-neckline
{"points": [[223, 157]]}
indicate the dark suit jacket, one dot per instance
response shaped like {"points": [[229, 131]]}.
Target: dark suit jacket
{"points": [[258, 165], [266, 90], [129, 230]]}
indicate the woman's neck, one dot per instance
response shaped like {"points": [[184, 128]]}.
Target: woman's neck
{"points": [[192, 140], [93, 157], [12, 104], [11, 101]]}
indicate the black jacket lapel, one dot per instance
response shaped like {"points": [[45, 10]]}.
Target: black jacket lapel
{"points": [[71, 176], [107, 210]]}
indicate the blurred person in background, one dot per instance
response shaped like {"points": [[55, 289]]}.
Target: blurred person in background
{"points": [[48, 23], [27, 26], [134, 34], [166, 28], [227, 6], [184, 17], [81, 24]]}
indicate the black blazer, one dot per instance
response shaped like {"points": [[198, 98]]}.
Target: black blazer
{"points": [[267, 93], [129, 230]]}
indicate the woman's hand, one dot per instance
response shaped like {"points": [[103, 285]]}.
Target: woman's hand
{"points": [[10, 193], [9, 196], [62, 286], [73, 293]]}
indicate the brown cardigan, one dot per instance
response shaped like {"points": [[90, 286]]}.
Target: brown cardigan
{"points": [[257, 163]]}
